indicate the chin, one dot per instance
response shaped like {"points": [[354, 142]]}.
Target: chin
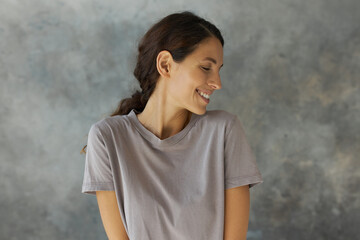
{"points": [[199, 111]]}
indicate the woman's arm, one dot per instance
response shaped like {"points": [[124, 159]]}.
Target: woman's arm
{"points": [[110, 215], [237, 208]]}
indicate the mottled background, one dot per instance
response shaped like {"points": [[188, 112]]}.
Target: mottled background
{"points": [[291, 73]]}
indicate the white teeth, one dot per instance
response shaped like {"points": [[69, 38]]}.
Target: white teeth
{"points": [[203, 94]]}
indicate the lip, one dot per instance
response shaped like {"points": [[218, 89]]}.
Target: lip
{"points": [[203, 98], [205, 91]]}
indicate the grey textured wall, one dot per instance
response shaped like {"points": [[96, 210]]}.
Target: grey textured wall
{"points": [[291, 73]]}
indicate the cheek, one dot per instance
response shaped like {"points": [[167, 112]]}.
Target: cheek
{"points": [[178, 88], [186, 82], [197, 78]]}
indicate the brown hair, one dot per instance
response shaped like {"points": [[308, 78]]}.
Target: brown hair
{"points": [[178, 33]]}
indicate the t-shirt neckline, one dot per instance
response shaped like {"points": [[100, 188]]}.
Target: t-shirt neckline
{"points": [[153, 139]]}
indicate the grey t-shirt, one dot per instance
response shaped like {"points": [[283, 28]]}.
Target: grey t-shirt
{"points": [[171, 188]]}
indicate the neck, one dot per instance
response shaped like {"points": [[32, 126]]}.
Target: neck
{"points": [[162, 119]]}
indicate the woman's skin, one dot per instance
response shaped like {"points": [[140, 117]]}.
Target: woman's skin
{"points": [[110, 215], [169, 108], [237, 210], [167, 112]]}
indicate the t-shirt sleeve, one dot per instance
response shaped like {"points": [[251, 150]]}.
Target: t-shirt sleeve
{"points": [[240, 163], [98, 173]]}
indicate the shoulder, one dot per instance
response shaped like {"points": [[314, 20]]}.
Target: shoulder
{"points": [[109, 125], [219, 119], [220, 116]]}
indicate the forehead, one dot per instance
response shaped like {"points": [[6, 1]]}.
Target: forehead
{"points": [[209, 48]]}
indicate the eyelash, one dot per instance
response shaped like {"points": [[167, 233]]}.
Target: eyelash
{"points": [[206, 69]]}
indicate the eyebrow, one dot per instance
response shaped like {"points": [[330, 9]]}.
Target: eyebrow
{"points": [[212, 60]]}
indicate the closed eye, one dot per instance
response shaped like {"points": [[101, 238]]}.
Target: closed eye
{"points": [[206, 69]]}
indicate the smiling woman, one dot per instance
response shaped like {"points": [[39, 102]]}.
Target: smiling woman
{"points": [[183, 87], [161, 165]]}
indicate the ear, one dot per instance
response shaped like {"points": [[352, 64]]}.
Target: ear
{"points": [[163, 63]]}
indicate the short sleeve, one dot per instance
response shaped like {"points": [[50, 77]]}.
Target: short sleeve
{"points": [[98, 174], [240, 163]]}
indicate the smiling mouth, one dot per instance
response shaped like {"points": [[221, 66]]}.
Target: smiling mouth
{"points": [[204, 98]]}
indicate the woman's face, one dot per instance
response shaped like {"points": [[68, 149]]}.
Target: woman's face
{"points": [[197, 72]]}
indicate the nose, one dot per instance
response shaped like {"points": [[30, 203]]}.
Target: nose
{"points": [[215, 82]]}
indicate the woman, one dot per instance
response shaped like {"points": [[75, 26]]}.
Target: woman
{"points": [[162, 166]]}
